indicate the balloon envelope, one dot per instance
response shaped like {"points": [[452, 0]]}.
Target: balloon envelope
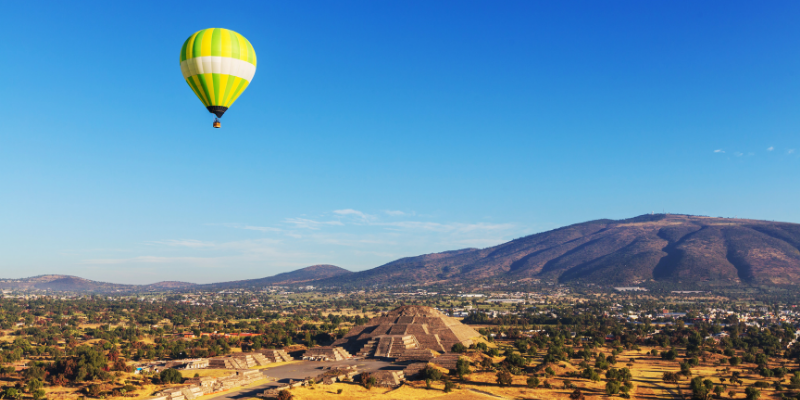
{"points": [[218, 64]]}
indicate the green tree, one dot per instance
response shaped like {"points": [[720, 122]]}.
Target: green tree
{"points": [[433, 373], [533, 382], [612, 388], [504, 378], [752, 393], [34, 385], [171, 375], [12, 393], [462, 368]]}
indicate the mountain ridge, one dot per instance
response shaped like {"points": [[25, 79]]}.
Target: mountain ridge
{"points": [[652, 247], [659, 247]]}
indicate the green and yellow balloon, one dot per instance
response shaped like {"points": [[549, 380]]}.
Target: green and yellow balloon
{"points": [[218, 64]]}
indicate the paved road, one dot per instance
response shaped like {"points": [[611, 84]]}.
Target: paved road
{"points": [[299, 371]]}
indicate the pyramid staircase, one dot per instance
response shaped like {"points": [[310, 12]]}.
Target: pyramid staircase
{"points": [[368, 350], [390, 346], [276, 355], [327, 353], [341, 354], [250, 360]]}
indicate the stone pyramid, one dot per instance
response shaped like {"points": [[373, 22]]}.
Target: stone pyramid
{"points": [[405, 330]]}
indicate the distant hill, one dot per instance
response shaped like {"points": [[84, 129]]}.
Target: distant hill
{"points": [[659, 247], [662, 247], [171, 285], [62, 283], [304, 275], [68, 283]]}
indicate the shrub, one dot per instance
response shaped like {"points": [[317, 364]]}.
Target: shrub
{"points": [[285, 395], [533, 382], [504, 378], [433, 373]]}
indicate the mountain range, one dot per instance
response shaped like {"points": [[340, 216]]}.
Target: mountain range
{"points": [[661, 247]]}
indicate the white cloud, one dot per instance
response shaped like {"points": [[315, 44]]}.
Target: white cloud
{"points": [[738, 154], [719, 151], [262, 228], [790, 151], [147, 260], [448, 227], [304, 223], [396, 213], [348, 237], [770, 148], [250, 227], [350, 211], [184, 243]]}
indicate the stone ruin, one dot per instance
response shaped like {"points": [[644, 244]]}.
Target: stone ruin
{"points": [[276, 355], [388, 378], [249, 360], [330, 376], [196, 387], [408, 332], [327, 353]]}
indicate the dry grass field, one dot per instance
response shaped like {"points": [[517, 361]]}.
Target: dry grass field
{"points": [[273, 365], [647, 381]]}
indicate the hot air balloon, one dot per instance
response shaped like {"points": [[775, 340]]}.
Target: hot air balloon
{"points": [[218, 64]]}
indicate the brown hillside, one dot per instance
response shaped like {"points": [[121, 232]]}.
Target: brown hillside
{"points": [[307, 274], [661, 247]]}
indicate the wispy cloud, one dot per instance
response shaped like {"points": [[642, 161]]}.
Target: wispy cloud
{"points": [[262, 228], [183, 243], [790, 151], [719, 151], [348, 237], [738, 154], [249, 227], [355, 213], [446, 227], [303, 223], [770, 148], [395, 213], [147, 260]]}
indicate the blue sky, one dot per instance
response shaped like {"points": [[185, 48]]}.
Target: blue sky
{"points": [[379, 130]]}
